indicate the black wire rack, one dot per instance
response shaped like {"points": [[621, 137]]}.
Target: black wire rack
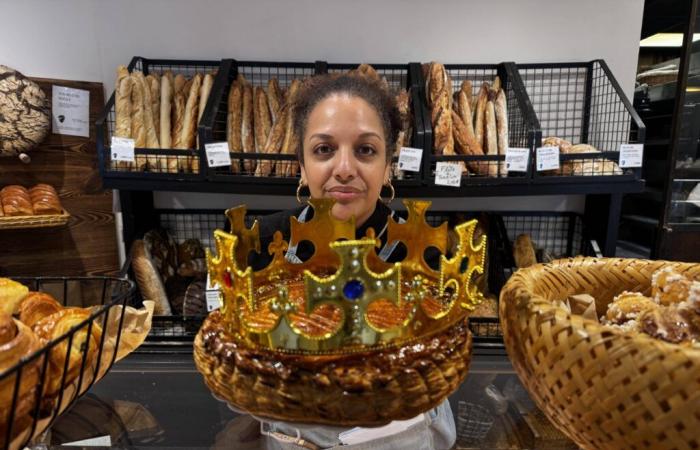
{"points": [[398, 77], [583, 103], [554, 235], [214, 123], [523, 129], [152, 163], [30, 408]]}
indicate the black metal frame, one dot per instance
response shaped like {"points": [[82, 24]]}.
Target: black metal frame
{"points": [[213, 128], [521, 117], [120, 292], [595, 111], [105, 125]]}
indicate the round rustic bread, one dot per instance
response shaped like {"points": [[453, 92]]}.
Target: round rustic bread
{"points": [[24, 113]]}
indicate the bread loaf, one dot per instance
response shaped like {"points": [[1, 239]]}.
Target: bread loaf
{"points": [[138, 130], [122, 109], [234, 122], [154, 85], [16, 201], [148, 121], [147, 277], [479, 122], [291, 141], [189, 127], [524, 252], [275, 98], [247, 131], [166, 100], [275, 141], [261, 121]]}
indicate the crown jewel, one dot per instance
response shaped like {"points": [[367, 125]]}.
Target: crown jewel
{"points": [[345, 298]]}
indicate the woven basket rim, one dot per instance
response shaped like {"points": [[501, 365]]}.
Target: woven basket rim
{"points": [[537, 304], [34, 221]]}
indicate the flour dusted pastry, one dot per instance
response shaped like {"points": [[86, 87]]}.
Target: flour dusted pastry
{"points": [[148, 122], [35, 306], [628, 306], [83, 346], [480, 112], [524, 251], [11, 294], [153, 81], [247, 130], [234, 122], [501, 122], [668, 286], [148, 278], [490, 133], [122, 103]]}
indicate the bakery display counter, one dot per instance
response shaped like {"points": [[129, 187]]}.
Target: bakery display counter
{"points": [[160, 401]]}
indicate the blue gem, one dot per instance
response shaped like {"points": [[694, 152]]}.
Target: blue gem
{"points": [[353, 289]]}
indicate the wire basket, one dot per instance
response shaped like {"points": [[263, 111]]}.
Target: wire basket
{"points": [[523, 129], [603, 387], [398, 77], [214, 122], [45, 383], [473, 423], [555, 234], [163, 164], [584, 104]]}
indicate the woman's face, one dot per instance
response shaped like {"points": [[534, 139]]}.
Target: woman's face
{"points": [[345, 155]]}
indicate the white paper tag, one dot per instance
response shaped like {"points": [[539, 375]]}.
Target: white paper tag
{"points": [[517, 159], [213, 300], [410, 158], [547, 158], [101, 441], [122, 149], [217, 154], [70, 111], [448, 174], [631, 155]]}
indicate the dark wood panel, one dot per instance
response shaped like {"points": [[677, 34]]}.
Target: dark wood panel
{"points": [[88, 244]]}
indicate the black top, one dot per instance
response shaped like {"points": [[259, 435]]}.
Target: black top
{"points": [[281, 221]]}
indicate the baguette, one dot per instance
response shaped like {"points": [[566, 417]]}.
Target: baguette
{"points": [[496, 86], [291, 140], [154, 85], [166, 99], [274, 143], [482, 98], [261, 121], [275, 98], [149, 127], [491, 139], [436, 82], [247, 131], [502, 124], [204, 91], [466, 87], [122, 110], [148, 279], [465, 113], [441, 130], [234, 122], [189, 125], [138, 131]]}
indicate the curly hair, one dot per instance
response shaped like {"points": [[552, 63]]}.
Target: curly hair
{"points": [[320, 87]]}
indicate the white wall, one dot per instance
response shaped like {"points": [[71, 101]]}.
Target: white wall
{"points": [[86, 40]]}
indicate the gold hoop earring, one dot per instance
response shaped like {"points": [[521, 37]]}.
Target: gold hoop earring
{"points": [[301, 185], [393, 193]]}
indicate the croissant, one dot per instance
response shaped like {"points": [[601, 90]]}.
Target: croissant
{"points": [[17, 341], [35, 306], [57, 325], [11, 293]]}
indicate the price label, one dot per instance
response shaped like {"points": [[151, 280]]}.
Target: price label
{"points": [[122, 149], [410, 158], [217, 154], [517, 159], [448, 174], [547, 158], [213, 299], [631, 155], [70, 111]]}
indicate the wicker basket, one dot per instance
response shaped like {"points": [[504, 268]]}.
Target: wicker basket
{"points": [[39, 221], [604, 388]]}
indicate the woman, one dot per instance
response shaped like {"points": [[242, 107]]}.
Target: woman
{"points": [[348, 125]]}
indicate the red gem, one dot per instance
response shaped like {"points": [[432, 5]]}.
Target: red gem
{"points": [[228, 280]]}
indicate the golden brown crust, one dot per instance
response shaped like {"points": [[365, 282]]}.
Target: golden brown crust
{"points": [[166, 101], [247, 130], [35, 306], [501, 122], [261, 121], [234, 121], [490, 133], [479, 121], [291, 140], [148, 279], [275, 141], [364, 389], [189, 127], [275, 98], [524, 251], [11, 294], [122, 103]]}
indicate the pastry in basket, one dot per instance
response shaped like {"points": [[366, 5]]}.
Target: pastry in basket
{"points": [[35, 306], [17, 341], [342, 338], [11, 294], [65, 363]]}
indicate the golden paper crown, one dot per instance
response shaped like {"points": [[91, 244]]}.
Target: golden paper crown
{"points": [[344, 297]]}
